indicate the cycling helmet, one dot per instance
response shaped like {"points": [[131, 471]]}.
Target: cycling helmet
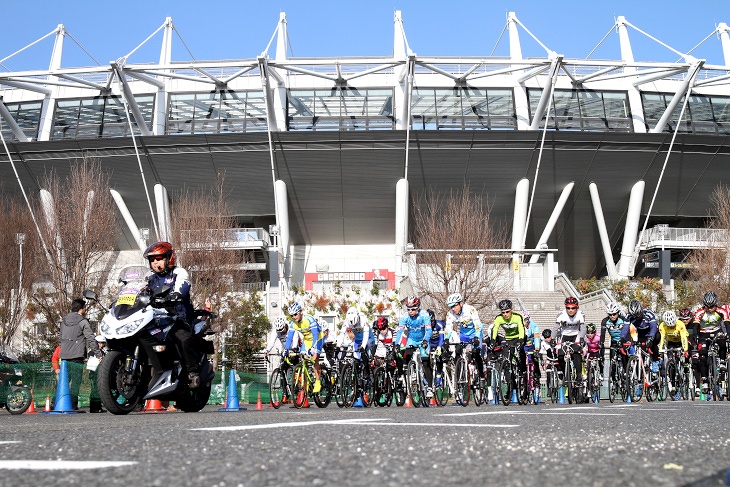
{"points": [[612, 308], [413, 302], [570, 300], [352, 320], [546, 333], [432, 315], [281, 325], [381, 323], [454, 299], [161, 249], [636, 310], [709, 299], [526, 316], [505, 304], [669, 318], [294, 308], [685, 313], [590, 328]]}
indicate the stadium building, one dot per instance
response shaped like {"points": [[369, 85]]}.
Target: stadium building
{"points": [[593, 163]]}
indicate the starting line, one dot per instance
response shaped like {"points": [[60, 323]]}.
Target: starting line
{"points": [[352, 422], [58, 465]]}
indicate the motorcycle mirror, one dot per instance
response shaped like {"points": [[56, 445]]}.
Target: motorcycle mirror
{"points": [[89, 294]]}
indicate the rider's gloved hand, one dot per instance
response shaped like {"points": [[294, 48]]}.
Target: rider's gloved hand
{"points": [[475, 342], [438, 351], [686, 354], [649, 342]]}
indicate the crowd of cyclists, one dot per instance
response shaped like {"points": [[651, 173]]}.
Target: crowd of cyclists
{"points": [[425, 361]]}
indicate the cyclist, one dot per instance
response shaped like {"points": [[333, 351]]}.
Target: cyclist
{"points": [[281, 327], [356, 331], [547, 352], [673, 333], [612, 324], [383, 339], [514, 329], [593, 345], [417, 324], [532, 345], [646, 328], [436, 343], [571, 329], [709, 326], [463, 319], [310, 332]]}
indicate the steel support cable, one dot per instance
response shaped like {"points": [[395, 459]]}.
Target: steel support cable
{"points": [[54, 31], [539, 159], [139, 160]]}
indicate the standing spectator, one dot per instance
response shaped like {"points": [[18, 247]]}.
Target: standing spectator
{"points": [[94, 399], [76, 340]]}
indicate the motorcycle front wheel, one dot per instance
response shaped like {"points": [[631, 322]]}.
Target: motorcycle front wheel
{"points": [[18, 400], [194, 400], [119, 394]]}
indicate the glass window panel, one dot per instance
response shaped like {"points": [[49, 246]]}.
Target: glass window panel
{"points": [[591, 104], [423, 102], [721, 108], [301, 103], [448, 102], [616, 105], [654, 105], [566, 103], [700, 109], [475, 102], [327, 103], [500, 103], [182, 107]]}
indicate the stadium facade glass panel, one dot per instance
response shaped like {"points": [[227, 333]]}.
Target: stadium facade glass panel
{"points": [[220, 111], [585, 110], [340, 108], [705, 114], [100, 116], [463, 108], [27, 115]]}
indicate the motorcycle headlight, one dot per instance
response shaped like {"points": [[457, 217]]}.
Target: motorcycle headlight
{"points": [[104, 326], [129, 327]]}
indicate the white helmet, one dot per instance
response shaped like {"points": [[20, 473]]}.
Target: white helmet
{"points": [[669, 318], [613, 308], [454, 299], [281, 325], [352, 320]]}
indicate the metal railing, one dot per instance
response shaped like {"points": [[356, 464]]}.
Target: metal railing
{"points": [[231, 238], [683, 238]]}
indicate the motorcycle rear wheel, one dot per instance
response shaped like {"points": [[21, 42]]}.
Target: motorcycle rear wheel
{"points": [[18, 400], [192, 401], [116, 396]]}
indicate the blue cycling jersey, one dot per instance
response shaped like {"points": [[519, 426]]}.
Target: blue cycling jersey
{"points": [[417, 327], [646, 326], [437, 334]]}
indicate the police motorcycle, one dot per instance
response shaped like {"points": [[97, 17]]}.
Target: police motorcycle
{"points": [[14, 395], [143, 361]]}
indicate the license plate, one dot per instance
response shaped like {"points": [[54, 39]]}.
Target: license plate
{"points": [[127, 299]]}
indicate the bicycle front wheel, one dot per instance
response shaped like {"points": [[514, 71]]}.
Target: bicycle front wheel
{"points": [[504, 382], [348, 385], [300, 387], [324, 396], [415, 384], [462, 382], [380, 387], [277, 387], [634, 381], [614, 380]]}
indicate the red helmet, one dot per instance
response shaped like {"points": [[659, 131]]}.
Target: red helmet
{"points": [[381, 323], [413, 302], [161, 249], [571, 301]]}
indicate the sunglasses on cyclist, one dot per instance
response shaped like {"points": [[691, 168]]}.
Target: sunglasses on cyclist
{"points": [[570, 308], [412, 309]]}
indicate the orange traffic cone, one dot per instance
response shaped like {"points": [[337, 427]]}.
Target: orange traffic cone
{"points": [[408, 402], [31, 408], [153, 406], [433, 402], [48, 409], [259, 406]]}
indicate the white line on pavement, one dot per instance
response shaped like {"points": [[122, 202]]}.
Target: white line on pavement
{"points": [[540, 412], [368, 422], [9, 441], [58, 465]]}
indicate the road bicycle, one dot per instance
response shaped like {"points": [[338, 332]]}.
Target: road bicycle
{"points": [[438, 384], [552, 377], [593, 369], [616, 377], [651, 375], [388, 383], [676, 379], [303, 382], [279, 385], [462, 379], [716, 386], [356, 381], [448, 377], [508, 371], [415, 380], [572, 379]]}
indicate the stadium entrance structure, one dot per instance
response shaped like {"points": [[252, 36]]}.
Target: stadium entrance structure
{"points": [[315, 148]]}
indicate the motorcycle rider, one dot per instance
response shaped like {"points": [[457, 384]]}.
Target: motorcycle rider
{"points": [[165, 272]]}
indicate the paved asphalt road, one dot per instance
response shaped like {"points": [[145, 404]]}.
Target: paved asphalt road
{"points": [[670, 443]]}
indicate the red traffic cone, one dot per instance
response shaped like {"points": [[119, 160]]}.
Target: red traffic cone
{"points": [[48, 409], [259, 406], [408, 402], [31, 408], [153, 406], [433, 402]]}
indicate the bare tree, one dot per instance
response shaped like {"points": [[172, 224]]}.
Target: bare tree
{"points": [[710, 268], [452, 233], [17, 236], [78, 223], [206, 243]]}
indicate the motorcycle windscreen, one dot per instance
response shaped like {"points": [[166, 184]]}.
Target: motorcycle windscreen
{"points": [[132, 297]]}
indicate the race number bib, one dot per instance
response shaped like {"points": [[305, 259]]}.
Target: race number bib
{"points": [[127, 299]]}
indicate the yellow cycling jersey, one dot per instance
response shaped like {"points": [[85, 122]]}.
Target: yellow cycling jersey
{"points": [[308, 327], [673, 334]]}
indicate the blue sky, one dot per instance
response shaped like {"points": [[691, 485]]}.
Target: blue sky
{"points": [[324, 28]]}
